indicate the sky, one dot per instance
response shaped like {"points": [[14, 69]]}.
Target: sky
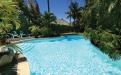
{"points": [[58, 7]]}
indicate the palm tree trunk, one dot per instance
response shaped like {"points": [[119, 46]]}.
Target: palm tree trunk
{"points": [[48, 3], [70, 11]]}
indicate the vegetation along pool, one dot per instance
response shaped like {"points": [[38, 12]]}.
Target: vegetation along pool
{"points": [[67, 55]]}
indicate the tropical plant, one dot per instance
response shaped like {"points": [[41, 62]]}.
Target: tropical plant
{"points": [[45, 32], [48, 18], [70, 11], [102, 21], [12, 47], [48, 3], [34, 29], [29, 11], [75, 13], [8, 15], [35, 14], [9, 12]]}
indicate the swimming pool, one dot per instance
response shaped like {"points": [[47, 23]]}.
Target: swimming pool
{"points": [[67, 55]]}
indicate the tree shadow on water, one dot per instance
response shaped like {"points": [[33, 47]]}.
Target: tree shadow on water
{"points": [[68, 38]]}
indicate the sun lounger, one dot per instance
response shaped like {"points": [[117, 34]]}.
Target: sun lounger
{"points": [[29, 33], [22, 34], [14, 34], [5, 36]]}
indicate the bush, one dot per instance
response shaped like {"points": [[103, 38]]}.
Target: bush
{"points": [[55, 30], [45, 32], [61, 28]]}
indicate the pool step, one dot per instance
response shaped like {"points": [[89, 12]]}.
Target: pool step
{"points": [[26, 46], [22, 44], [29, 48]]}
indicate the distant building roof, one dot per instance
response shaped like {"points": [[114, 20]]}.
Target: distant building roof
{"points": [[62, 21]]}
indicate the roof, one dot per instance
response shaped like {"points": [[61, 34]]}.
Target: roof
{"points": [[62, 21]]}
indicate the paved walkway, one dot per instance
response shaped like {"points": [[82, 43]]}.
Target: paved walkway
{"points": [[20, 39]]}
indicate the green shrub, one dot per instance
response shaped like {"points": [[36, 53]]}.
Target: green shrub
{"points": [[44, 31], [34, 29], [61, 28]]}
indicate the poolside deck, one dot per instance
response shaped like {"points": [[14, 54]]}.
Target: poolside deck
{"points": [[19, 66]]}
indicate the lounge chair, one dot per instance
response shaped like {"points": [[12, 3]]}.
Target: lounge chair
{"points": [[22, 34], [29, 33], [14, 34], [5, 36]]}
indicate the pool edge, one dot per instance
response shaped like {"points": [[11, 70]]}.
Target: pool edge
{"points": [[23, 67]]}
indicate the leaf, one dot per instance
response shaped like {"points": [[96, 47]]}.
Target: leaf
{"points": [[111, 6]]}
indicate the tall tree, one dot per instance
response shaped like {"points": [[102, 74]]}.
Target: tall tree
{"points": [[30, 11], [48, 3], [75, 12], [35, 7], [48, 18], [103, 25], [70, 10]]}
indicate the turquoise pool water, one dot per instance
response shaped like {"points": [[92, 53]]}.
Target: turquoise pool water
{"points": [[67, 55]]}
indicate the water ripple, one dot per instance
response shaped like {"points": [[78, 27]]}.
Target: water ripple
{"points": [[70, 56]]}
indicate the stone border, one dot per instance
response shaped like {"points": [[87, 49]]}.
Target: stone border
{"points": [[23, 67]]}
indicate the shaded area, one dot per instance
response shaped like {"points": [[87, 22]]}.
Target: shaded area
{"points": [[9, 69], [22, 59]]}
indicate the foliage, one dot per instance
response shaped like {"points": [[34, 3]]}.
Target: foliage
{"points": [[25, 24], [75, 12], [48, 18], [5, 28], [61, 28], [29, 13], [102, 21], [8, 15], [34, 29], [44, 31], [55, 30], [13, 47]]}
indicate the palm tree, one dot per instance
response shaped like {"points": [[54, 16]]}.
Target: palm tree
{"points": [[9, 16], [75, 12], [102, 19], [48, 3], [34, 12], [70, 10], [48, 18]]}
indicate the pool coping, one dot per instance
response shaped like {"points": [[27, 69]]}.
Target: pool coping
{"points": [[23, 67]]}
